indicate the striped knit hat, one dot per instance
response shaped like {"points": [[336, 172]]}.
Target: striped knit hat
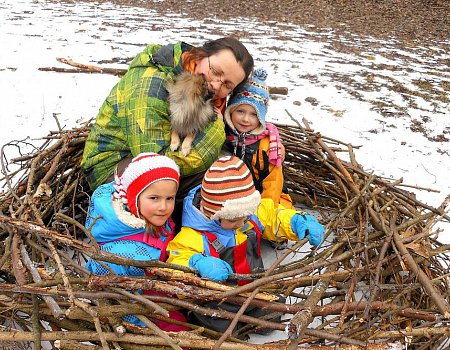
{"points": [[228, 191], [144, 170]]}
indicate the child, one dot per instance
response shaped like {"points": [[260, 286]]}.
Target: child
{"points": [[130, 217], [253, 140], [224, 220]]}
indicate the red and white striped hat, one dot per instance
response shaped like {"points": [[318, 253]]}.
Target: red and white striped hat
{"points": [[228, 191], [144, 170]]}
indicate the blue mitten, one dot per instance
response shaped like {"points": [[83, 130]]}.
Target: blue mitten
{"points": [[210, 267], [306, 225]]}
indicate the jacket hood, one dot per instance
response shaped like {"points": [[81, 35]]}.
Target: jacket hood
{"points": [[108, 227], [167, 58], [196, 220]]}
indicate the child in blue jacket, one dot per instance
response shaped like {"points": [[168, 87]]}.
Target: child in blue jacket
{"points": [[131, 217]]}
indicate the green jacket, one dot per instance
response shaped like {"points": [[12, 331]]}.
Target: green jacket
{"points": [[134, 118]]}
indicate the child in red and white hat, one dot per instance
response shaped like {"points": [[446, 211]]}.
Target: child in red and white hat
{"points": [[131, 217], [224, 221]]}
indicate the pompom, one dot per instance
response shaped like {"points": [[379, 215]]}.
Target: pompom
{"points": [[260, 74]]}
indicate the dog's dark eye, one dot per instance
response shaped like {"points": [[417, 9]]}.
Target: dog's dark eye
{"points": [[209, 95]]}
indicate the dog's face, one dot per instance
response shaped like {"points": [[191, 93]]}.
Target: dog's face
{"points": [[190, 108], [201, 87]]}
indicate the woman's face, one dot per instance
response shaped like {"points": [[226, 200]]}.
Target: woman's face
{"points": [[245, 118], [222, 72], [157, 201]]}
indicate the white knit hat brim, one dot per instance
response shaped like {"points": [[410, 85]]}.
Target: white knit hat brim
{"points": [[239, 207]]}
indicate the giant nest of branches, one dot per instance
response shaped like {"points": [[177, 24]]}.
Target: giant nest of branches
{"points": [[379, 281]]}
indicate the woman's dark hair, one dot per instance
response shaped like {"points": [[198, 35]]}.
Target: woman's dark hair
{"points": [[240, 52]]}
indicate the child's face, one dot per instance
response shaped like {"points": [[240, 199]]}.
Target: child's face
{"points": [[233, 224], [157, 201], [245, 118]]}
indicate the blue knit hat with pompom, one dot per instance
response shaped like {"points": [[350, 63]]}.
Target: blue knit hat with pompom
{"points": [[255, 93]]}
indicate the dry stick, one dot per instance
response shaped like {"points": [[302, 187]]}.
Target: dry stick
{"points": [[441, 304], [384, 248], [297, 326], [36, 324], [157, 330], [353, 281], [348, 177], [34, 166], [336, 308], [76, 301], [287, 129], [92, 336], [27, 226], [335, 198], [7, 177], [201, 282], [55, 162], [131, 309], [7, 250], [184, 339], [284, 308], [155, 307], [40, 246], [74, 345], [320, 154], [87, 232], [427, 332], [118, 71], [246, 319], [403, 195], [252, 296], [17, 265], [80, 65], [442, 207], [51, 303], [335, 159], [113, 71], [295, 272]]}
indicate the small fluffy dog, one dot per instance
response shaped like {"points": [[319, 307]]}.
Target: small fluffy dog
{"points": [[190, 107]]}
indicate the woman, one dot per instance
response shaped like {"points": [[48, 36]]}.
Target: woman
{"points": [[135, 116]]}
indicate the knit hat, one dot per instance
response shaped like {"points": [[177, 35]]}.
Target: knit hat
{"points": [[144, 170], [255, 93], [228, 191]]}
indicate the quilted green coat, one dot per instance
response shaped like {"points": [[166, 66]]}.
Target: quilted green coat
{"points": [[134, 118]]}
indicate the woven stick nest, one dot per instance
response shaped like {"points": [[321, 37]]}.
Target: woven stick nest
{"points": [[379, 281]]}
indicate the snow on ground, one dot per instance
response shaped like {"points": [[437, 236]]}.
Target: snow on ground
{"points": [[367, 94]]}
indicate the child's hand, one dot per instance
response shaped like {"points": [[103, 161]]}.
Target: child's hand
{"points": [[305, 225], [219, 113], [210, 267]]}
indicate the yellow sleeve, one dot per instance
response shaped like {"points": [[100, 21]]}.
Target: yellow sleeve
{"points": [[185, 244], [272, 185], [276, 221]]}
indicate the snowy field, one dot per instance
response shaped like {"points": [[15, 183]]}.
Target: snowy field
{"points": [[370, 95]]}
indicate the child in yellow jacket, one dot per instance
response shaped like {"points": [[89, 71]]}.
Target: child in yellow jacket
{"points": [[255, 141], [224, 221]]}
